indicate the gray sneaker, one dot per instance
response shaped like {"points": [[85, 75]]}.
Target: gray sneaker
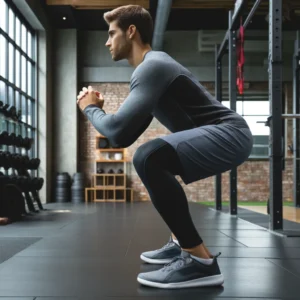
{"points": [[183, 272], [163, 255]]}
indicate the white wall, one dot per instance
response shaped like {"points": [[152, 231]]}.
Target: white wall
{"points": [[96, 64]]}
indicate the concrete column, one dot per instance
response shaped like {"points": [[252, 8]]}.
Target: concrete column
{"points": [[44, 114], [64, 101]]}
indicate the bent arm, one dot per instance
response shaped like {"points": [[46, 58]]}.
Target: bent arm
{"points": [[123, 128], [107, 125]]}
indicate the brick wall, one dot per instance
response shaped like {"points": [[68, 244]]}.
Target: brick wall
{"points": [[253, 176]]}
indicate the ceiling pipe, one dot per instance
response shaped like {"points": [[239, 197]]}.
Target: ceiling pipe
{"points": [[161, 20]]}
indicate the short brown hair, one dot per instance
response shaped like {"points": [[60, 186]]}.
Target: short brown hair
{"points": [[132, 15]]}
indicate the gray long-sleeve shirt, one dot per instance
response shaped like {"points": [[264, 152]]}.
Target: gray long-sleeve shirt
{"points": [[162, 88]]}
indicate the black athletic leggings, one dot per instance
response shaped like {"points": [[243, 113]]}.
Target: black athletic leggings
{"points": [[157, 163]]}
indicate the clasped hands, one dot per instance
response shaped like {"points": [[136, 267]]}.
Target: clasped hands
{"points": [[88, 96]]}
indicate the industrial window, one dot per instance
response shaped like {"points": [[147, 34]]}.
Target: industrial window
{"points": [[17, 76], [254, 107]]}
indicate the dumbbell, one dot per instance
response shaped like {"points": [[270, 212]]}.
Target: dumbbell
{"points": [[40, 184], [10, 111], [4, 108], [17, 161], [27, 143], [37, 183], [19, 115], [19, 141], [3, 137], [5, 160], [20, 162], [25, 162], [11, 139], [1, 157], [34, 164], [100, 171]]}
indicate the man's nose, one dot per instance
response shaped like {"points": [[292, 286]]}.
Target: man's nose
{"points": [[108, 43]]}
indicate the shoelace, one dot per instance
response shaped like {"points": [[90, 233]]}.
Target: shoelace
{"points": [[168, 245], [175, 263]]}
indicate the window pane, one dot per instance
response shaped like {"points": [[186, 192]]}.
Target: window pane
{"points": [[11, 96], [17, 101], [18, 32], [24, 112], [33, 114], [29, 113], [260, 146], [3, 56], [29, 78], [2, 92], [17, 68], [225, 103], [24, 38], [11, 62], [256, 108], [257, 128], [239, 106], [11, 24], [24, 134], [29, 46], [23, 74], [30, 134], [3, 16]]}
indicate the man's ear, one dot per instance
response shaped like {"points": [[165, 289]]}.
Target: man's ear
{"points": [[131, 31]]}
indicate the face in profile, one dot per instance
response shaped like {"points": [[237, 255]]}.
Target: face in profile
{"points": [[118, 42]]}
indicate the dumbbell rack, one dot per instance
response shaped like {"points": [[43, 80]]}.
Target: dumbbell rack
{"points": [[19, 163]]}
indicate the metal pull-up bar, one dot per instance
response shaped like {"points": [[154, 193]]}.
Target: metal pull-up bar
{"points": [[290, 116], [251, 13], [235, 23], [284, 116]]}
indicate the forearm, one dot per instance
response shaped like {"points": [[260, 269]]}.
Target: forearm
{"points": [[119, 131], [100, 120]]}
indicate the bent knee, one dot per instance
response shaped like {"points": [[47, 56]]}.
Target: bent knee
{"points": [[146, 151]]}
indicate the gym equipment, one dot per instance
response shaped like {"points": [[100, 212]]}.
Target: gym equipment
{"points": [[13, 140], [20, 164], [12, 203], [62, 190], [3, 137], [100, 171], [77, 189]]}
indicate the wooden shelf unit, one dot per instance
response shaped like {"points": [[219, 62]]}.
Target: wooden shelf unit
{"points": [[116, 181], [109, 185]]}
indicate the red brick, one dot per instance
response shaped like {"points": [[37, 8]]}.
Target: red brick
{"points": [[253, 176]]}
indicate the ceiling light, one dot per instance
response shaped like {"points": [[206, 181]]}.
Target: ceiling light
{"points": [[64, 18]]}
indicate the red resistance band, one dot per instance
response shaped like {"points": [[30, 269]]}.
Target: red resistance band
{"points": [[240, 61]]}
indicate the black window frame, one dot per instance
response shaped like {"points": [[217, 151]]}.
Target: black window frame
{"points": [[23, 96]]}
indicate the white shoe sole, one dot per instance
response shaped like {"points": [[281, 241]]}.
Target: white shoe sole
{"points": [[155, 261], [215, 280]]}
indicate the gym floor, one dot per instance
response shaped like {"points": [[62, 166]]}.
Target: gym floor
{"points": [[91, 251]]}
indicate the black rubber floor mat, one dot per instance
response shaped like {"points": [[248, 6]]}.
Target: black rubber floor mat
{"points": [[290, 229], [9, 246]]}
